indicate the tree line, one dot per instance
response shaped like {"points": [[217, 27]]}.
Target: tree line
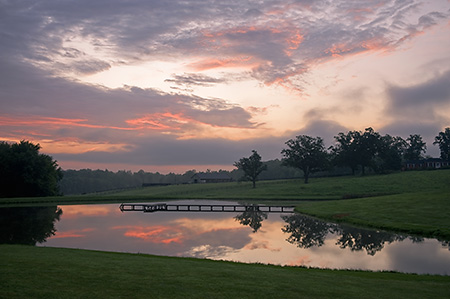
{"points": [[356, 150], [25, 172], [89, 181]]}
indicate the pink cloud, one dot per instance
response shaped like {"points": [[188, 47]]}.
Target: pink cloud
{"points": [[154, 234], [72, 233]]}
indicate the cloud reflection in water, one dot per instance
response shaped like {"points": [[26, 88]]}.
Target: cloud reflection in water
{"points": [[285, 239]]}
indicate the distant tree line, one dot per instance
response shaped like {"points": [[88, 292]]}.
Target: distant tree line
{"points": [[26, 172], [89, 181], [355, 150]]}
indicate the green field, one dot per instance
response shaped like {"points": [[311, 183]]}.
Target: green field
{"points": [[414, 202], [39, 272]]}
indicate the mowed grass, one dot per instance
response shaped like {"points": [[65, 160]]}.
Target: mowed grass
{"points": [[426, 214], [40, 272], [318, 188]]}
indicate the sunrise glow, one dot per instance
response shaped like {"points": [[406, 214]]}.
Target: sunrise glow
{"points": [[187, 85]]}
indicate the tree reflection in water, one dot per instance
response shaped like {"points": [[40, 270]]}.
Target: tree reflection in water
{"points": [[28, 225], [306, 232], [358, 239], [252, 217]]}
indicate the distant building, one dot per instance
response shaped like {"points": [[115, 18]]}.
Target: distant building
{"points": [[430, 163], [211, 177]]}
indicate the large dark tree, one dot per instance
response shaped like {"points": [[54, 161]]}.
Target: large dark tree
{"points": [[415, 147], [252, 166], [443, 140], [368, 146], [345, 150], [389, 153], [25, 172], [366, 149], [306, 153]]}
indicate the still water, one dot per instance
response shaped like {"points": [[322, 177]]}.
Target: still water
{"points": [[254, 237]]}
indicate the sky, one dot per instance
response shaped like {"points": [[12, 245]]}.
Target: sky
{"points": [[170, 86]]}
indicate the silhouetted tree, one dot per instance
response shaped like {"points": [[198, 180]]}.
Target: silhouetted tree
{"points": [[443, 140], [252, 166], [26, 172], [415, 147], [306, 153], [345, 150], [389, 155], [367, 149], [368, 146]]}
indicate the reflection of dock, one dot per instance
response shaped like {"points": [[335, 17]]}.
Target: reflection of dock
{"points": [[150, 208]]}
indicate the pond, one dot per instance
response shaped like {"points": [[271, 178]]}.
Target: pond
{"points": [[251, 236]]}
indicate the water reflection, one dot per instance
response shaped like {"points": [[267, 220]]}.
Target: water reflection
{"points": [[28, 225], [249, 236], [306, 231], [252, 217]]}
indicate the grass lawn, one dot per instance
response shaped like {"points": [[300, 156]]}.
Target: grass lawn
{"points": [[40, 272], [414, 202]]}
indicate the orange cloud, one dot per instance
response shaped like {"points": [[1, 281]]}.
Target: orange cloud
{"points": [[77, 147], [153, 234], [53, 121], [161, 121], [293, 42], [72, 233], [234, 37], [74, 212], [346, 49], [235, 62], [338, 50]]}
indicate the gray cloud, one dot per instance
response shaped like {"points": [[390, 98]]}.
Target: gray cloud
{"points": [[417, 109], [153, 29], [419, 101], [166, 150], [281, 42]]}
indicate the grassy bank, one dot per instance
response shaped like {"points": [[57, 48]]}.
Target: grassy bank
{"points": [[37, 272], [415, 202], [318, 188], [424, 214]]}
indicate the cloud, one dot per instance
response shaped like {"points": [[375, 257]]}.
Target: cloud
{"points": [[278, 42], [166, 150], [423, 100], [189, 79], [419, 109], [51, 49]]}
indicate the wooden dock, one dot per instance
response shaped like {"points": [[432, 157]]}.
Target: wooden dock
{"points": [[150, 208]]}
